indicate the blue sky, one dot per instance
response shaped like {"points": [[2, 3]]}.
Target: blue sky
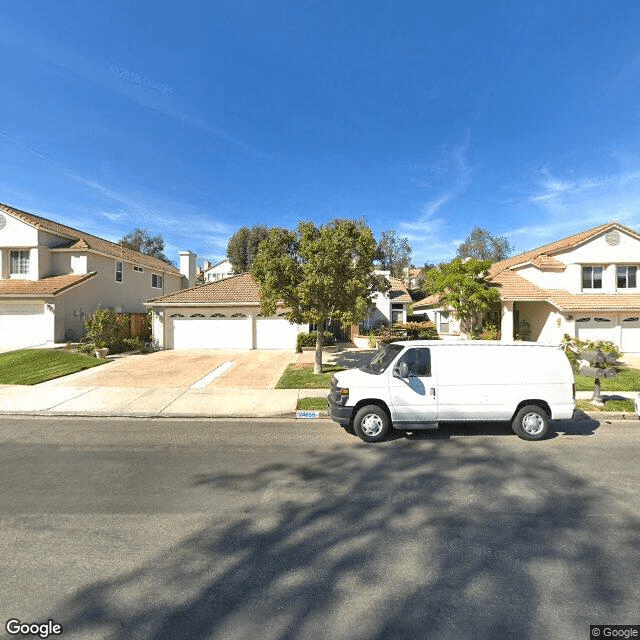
{"points": [[194, 118]]}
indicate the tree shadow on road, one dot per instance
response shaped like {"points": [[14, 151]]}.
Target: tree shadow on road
{"points": [[464, 538]]}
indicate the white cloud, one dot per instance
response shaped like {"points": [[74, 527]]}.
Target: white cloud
{"points": [[568, 205], [425, 231]]}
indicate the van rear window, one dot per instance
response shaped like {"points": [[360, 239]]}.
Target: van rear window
{"points": [[383, 359]]}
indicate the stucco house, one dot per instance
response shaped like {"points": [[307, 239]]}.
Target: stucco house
{"points": [[585, 285], [212, 272], [224, 314], [388, 307], [52, 276], [413, 277]]}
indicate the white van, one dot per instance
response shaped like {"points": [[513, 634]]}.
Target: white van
{"points": [[417, 384]]}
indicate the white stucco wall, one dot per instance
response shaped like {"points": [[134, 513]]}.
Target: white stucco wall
{"points": [[546, 323], [103, 291], [593, 253]]}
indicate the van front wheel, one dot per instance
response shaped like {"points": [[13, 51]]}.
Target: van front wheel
{"points": [[371, 423], [531, 423]]}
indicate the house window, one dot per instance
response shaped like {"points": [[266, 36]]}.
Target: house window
{"points": [[444, 322], [119, 271], [592, 277], [626, 277], [138, 269], [156, 281], [19, 263]]}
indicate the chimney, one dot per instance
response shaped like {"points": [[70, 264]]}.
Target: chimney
{"points": [[188, 267]]}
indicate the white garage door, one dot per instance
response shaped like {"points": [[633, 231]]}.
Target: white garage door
{"points": [[23, 325], [596, 328], [275, 333], [211, 333], [631, 334]]}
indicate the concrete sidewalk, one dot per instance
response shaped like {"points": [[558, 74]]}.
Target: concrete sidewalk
{"points": [[148, 402]]}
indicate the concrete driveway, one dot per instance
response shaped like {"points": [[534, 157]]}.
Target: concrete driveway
{"points": [[166, 383], [185, 368]]}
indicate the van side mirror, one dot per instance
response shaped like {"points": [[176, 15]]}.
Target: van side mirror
{"points": [[404, 370]]}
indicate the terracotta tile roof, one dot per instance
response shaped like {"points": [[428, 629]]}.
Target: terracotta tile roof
{"points": [[240, 288], [559, 245], [514, 287], [544, 261], [594, 302], [398, 292], [82, 240], [415, 272], [51, 286], [429, 301]]}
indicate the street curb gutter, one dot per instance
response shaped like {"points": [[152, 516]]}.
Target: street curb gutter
{"points": [[321, 415]]}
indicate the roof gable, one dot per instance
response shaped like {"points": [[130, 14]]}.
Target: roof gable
{"points": [[559, 246], [79, 240]]}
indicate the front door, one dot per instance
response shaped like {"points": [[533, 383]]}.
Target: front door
{"points": [[414, 402]]}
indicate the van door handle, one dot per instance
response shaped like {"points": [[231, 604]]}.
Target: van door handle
{"points": [[433, 392]]}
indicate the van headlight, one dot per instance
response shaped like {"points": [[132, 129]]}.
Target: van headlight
{"points": [[343, 394]]}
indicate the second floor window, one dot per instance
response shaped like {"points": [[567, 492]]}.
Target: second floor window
{"points": [[627, 277], [592, 277], [119, 271], [156, 281], [19, 263]]}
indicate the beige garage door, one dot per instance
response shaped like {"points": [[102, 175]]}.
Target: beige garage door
{"points": [[23, 325]]}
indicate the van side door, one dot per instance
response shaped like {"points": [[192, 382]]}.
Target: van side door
{"points": [[414, 403]]}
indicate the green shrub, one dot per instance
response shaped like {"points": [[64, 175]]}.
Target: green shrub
{"points": [[309, 339], [490, 331], [574, 346], [523, 331], [409, 331], [106, 328]]}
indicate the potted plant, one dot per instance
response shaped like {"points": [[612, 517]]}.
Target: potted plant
{"points": [[100, 349]]}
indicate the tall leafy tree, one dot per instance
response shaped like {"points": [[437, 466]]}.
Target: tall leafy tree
{"points": [[243, 246], [140, 240], [394, 253], [481, 245], [462, 286], [319, 273]]}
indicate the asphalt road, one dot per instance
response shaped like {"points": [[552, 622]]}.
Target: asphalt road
{"points": [[235, 529]]}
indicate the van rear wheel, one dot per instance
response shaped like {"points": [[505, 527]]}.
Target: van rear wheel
{"points": [[371, 423], [531, 423]]}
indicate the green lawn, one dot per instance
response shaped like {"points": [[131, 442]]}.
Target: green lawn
{"points": [[627, 380], [609, 405], [311, 404], [31, 366], [304, 378]]}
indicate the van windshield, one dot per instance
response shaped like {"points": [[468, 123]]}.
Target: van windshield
{"points": [[383, 359]]}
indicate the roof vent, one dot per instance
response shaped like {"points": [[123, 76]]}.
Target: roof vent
{"points": [[612, 238]]}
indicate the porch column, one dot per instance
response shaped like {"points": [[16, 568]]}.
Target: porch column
{"points": [[506, 323], [253, 319]]}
